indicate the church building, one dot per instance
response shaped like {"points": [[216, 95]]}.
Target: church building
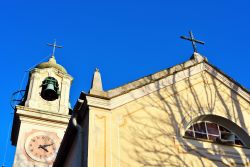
{"points": [[191, 114]]}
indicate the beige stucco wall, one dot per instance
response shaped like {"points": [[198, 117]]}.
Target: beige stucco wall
{"points": [[148, 131]]}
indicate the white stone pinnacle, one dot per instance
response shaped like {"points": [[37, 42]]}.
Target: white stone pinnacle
{"points": [[97, 81]]}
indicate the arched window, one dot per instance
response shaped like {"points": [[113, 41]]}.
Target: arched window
{"points": [[214, 132]]}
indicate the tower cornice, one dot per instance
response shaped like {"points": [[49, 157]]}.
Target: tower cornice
{"points": [[27, 112]]}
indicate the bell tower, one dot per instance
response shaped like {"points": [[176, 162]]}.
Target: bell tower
{"points": [[49, 87], [42, 117]]}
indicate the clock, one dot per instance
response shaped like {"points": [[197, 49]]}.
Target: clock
{"points": [[42, 146]]}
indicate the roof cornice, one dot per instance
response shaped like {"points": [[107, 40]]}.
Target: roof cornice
{"points": [[146, 85]]}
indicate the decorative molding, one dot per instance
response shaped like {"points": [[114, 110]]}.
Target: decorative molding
{"points": [[98, 127], [227, 82], [55, 71], [151, 78], [26, 113], [143, 91], [98, 102], [162, 83]]}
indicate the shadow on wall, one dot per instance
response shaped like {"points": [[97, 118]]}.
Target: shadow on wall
{"points": [[152, 133]]}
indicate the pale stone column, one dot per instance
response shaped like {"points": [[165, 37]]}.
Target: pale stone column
{"points": [[64, 97], [33, 90]]}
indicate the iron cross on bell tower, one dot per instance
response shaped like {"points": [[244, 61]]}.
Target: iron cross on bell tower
{"points": [[54, 47], [193, 40]]}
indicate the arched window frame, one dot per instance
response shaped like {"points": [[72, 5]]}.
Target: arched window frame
{"points": [[225, 122], [200, 130]]}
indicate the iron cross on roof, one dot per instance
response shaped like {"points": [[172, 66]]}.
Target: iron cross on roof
{"points": [[193, 40], [54, 47]]}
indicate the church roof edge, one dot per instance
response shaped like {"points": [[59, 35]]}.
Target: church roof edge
{"points": [[195, 59]]}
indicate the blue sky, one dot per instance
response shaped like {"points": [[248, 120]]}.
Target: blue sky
{"points": [[126, 40]]}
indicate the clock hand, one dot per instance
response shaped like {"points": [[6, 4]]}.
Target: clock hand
{"points": [[42, 147], [46, 145]]}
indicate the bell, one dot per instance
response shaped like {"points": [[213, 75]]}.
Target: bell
{"points": [[49, 92]]}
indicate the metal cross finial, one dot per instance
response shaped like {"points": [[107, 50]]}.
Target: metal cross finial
{"points": [[54, 47], [193, 40]]}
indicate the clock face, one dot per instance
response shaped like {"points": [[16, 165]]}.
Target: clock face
{"points": [[41, 146]]}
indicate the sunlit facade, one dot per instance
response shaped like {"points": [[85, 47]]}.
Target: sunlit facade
{"points": [[191, 114]]}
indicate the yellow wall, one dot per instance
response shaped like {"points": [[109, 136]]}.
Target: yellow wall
{"points": [[149, 131]]}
